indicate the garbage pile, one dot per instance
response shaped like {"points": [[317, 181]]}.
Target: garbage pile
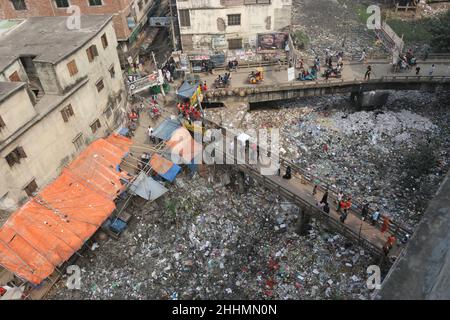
{"points": [[394, 157], [206, 240], [334, 25]]}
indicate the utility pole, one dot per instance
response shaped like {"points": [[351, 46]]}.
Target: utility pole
{"points": [[156, 66], [172, 27]]}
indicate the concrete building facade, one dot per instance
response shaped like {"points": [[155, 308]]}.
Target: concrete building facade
{"points": [[59, 90], [215, 25], [128, 15]]}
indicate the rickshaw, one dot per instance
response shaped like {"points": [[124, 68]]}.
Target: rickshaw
{"points": [[257, 76]]}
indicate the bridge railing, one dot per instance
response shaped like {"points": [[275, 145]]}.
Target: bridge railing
{"points": [[393, 227], [320, 214], [215, 93]]}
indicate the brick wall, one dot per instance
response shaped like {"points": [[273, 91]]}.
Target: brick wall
{"points": [[36, 8]]}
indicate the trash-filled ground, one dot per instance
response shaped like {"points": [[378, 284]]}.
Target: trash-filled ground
{"points": [[335, 25], [206, 240], [394, 157]]}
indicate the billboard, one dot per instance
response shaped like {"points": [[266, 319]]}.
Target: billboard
{"points": [[272, 41], [160, 21]]}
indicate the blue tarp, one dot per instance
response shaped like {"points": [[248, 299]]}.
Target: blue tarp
{"points": [[187, 90], [171, 174], [147, 188], [166, 128], [123, 131]]}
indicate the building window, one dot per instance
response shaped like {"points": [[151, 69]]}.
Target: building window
{"points": [[72, 66], [185, 18], [78, 142], [109, 110], [140, 5], [67, 112], [92, 52], [234, 44], [256, 1], [62, 3], [112, 72], [234, 19], [99, 84], [19, 4], [2, 124], [104, 41], [14, 156], [95, 2], [31, 188], [95, 126], [15, 77]]}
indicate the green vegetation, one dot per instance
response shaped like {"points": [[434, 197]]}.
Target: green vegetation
{"points": [[300, 39], [361, 11], [412, 31], [434, 31], [440, 30]]}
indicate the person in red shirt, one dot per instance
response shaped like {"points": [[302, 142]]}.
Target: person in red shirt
{"points": [[385, 225], [389, 244]]}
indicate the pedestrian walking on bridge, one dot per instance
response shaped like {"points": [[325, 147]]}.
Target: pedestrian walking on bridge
{"points": [[417, 70], [433, 67], [368, 72], [288, 174]]}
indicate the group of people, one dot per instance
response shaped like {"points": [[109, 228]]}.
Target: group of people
{"points": [[233, 65], [188, 111], [225, 79], [168, 70]]}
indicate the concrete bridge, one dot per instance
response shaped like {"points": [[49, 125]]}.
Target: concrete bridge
{"points": [[298, 89], [276, 86]]}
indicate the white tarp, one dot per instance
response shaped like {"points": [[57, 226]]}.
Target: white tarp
{"points": [[147, 188], [13, 293], [242, 138]]}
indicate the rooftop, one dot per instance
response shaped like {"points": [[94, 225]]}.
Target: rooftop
{"points": [[48, 38], [7, 88]]}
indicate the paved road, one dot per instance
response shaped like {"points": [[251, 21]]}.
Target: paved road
{"points": [[278, 75]]}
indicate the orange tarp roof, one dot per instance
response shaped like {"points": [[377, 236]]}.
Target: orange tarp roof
{"points": [[119, 141], [50, 227], [97, 166], [159, 164], [182, 144]]}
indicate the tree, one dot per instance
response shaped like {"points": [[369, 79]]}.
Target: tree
{"points": [[440, 30]]}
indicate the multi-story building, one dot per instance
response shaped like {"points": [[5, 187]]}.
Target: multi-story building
{"points": [[128, 15], [215, 25], [59, 90]]}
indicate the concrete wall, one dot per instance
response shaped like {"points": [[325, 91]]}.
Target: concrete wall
{"points": [[15, 66], [423, 270], [96, 69], [10, 109], [204, 15], [48, 140]]}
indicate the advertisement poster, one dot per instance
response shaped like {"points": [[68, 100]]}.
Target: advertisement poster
{"points": [[291, 73], [272, 41]]}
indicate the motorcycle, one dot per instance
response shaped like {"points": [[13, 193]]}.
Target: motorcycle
{"points": [[401, 66], [219, 83], [310, 76], [332, 73], [255, 77]]}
